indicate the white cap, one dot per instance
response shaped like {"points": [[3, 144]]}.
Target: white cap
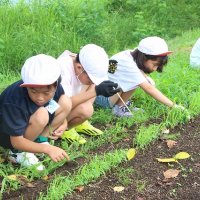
{"points": [[154, 46], [40, 70], [95, 62]]}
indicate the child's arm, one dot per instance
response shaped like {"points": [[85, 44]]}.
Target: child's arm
{"points": [[156, 94], [55, 153], [105, 88]]}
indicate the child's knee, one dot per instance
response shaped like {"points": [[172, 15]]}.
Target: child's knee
{"points": [[65, 104], [40, 117], [86, 110]]}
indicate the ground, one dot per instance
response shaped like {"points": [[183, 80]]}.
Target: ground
{"points": [[143, 178]]}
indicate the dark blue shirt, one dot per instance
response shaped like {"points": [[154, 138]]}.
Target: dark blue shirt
{"points": [[16, 108]]}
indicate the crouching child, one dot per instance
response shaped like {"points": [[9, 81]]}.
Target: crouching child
{"points": [[31, 107]]}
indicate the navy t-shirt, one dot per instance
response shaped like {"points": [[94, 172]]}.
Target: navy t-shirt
{"points": [[16, 108]]}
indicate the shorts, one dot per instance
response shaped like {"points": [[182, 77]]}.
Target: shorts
{"points": [[103, 102], [5, 141]]}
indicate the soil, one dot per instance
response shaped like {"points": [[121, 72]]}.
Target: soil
{"points": [[146, 180]]}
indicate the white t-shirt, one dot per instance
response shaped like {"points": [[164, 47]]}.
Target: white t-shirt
{"points": [[195, 55], [127, 75], [70, 83]]}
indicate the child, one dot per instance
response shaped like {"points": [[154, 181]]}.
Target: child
{"points": [[132, 67], [33, 106], [83, 78], [195, 55]]}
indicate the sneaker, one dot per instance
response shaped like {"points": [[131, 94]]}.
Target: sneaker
{"points": [[71, 135], [121, 111], [25, 159], [88, 129], [130, 105]]}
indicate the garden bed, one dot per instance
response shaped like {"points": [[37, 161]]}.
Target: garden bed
{"points": [[141, 177]]}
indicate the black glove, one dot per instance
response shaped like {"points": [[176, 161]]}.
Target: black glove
{"points": [[107, 88]]}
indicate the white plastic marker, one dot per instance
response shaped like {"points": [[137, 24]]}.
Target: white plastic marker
{"points": [[123, 101]]}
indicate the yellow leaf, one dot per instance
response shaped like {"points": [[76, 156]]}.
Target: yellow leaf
{"points": [[118, 188], [45, 178], [181, 155], [12, 177], [131, 154], [166, 160], [171, 173]]}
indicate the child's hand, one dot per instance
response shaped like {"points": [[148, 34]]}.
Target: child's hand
{"points": [[178, 107], [59, 131], [56, 134], [56, 154]]}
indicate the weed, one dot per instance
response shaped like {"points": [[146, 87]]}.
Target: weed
{"points": [[172, 136], [141, 185], [124, 175]]}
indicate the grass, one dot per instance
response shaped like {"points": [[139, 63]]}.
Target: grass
{"points": [[99, 165]]}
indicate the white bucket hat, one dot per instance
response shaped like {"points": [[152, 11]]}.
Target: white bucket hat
{"points": [[154, 46], [40, 70], [95, 62]]}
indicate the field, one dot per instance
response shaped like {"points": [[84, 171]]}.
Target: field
{"points": [[102, 168], [100, 165]]}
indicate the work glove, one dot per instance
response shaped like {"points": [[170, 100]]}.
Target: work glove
{"points": [[107, 88]]}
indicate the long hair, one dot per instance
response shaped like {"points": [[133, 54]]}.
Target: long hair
{"points": [[140, 58]]}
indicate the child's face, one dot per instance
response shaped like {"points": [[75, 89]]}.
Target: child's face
{"points": [[151, 66], [41, 95], [82, 76]]}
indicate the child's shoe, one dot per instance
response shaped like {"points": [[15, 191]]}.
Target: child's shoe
{"points": [[130, 105], [25, 159], [121, 111], [88, 129], [71, 135]]}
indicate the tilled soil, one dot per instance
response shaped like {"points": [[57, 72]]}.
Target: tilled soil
{"points": [[146, 180]]}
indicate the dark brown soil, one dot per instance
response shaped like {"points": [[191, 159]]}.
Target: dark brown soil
{"points": [[146, 182]]}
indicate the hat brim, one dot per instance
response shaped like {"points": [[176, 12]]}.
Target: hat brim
{"points": [[164, 54], [97, 80], [32, 85]]}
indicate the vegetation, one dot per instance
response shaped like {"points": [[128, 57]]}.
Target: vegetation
{"points": [[55, 25], [50, 26]]}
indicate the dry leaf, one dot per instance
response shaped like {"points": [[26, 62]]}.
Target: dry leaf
{"points": [[23, 179], [30, 185], [171, 143], [166, 131], [118, 188], [131, 154], [126, 139], [181, 155], [166, 160], [171, 173], [79, 188]]}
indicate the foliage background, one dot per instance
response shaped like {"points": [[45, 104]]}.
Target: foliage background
{"points": [[51, 26]]}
